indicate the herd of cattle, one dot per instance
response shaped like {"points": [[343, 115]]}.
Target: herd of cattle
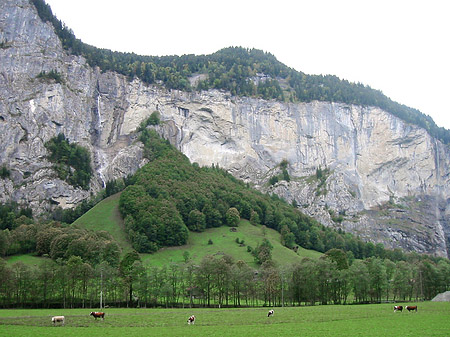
{"points": [[408, 307], [98, 314], [191, 319]]}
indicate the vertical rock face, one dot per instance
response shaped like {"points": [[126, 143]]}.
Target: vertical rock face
{"points": [[381, 178], [33, 110]]}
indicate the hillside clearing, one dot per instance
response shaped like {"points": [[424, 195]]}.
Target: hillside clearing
{"points": [[224, 242]]}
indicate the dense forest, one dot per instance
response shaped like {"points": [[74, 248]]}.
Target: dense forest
{"points": [[241, 71]]}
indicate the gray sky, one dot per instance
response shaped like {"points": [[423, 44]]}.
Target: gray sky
{"points": [[399, 47]]}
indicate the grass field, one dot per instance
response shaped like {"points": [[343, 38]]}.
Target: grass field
{"points": [[224, 241], [28, 259], [105, 216], [432, 319]]}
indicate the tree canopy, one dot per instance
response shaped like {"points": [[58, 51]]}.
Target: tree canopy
{"points": [[71, 161]]}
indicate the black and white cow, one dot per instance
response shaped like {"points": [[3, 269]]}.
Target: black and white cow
{"points": [[270, 313]]}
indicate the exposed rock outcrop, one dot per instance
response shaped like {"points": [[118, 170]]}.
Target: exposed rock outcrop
{"points": [[384, 180]]}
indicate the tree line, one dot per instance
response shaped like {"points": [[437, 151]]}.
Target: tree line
{"points": [[241, 71], [59, 241], [220, 282]]}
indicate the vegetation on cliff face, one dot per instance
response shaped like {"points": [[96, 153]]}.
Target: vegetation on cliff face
{"points": [[241, 71], [71, 162], [4, 172], [52, 75]]}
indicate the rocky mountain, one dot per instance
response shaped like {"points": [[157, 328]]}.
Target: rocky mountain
{"points": [[352, 167]]}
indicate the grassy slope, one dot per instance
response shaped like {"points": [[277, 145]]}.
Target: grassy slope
{"points": [[105, 216], [28, 259], [224, 242]]}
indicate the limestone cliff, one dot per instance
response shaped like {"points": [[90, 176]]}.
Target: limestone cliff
{"points": [[384, 180]]}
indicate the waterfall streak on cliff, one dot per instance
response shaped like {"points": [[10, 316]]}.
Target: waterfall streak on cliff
{"points": [[99, 116], [100, 154]]}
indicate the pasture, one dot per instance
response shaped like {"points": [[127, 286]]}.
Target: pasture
{"points": [[224, 241], [432, 319], [105, 216]]}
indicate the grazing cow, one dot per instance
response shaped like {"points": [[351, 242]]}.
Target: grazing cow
{"points": [[398, 308], [411, 307], [191, 320], [270, 313], [56, 319], [98, 314]]}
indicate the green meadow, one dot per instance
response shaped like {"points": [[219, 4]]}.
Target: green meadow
{"points": [[432, 319], [105, 216], [220, 241]]}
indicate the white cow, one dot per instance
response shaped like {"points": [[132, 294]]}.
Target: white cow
{"points": [[56, 319]]}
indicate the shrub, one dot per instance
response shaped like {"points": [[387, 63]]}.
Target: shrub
{"points": [[52, 75], [232, 217], [4, 172], [273, 180], [153, 119]]}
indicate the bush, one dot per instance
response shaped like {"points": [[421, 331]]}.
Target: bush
{"points": [[273, 180], [52, 75], [4, 172], [232, 217], [153, 119]]}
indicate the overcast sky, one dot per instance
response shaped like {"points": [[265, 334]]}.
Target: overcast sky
{"points": [[399, 47]]}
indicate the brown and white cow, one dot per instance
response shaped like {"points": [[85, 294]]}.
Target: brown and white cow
{"points": [[191, 320], [411, 307], [398, 308], [56, 319], [98, 314], [270, 313]]}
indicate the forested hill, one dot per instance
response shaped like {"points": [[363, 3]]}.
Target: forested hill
{"points": [[241, 71]]}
